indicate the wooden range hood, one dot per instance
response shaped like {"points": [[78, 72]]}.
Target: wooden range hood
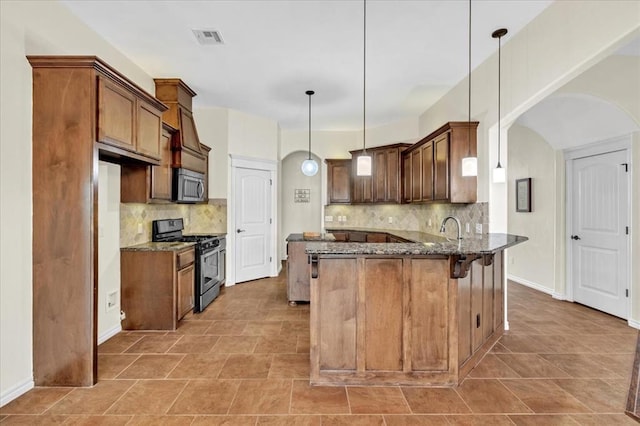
{"points": [[187, 151]]}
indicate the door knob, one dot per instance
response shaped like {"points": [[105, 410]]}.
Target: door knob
{"points": [[239, 230], [575, 237]]}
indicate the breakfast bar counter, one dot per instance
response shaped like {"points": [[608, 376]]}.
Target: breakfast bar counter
{"points": [[411, 313]]}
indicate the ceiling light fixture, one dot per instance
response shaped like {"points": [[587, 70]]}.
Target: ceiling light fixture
{"points": [[309, 166], [363, 165], [469, 163], [499, 173]]}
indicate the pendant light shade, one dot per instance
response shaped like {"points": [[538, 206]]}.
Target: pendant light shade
{"points": [[499, 173], [469, 163], [363, 164], [309, 166]]}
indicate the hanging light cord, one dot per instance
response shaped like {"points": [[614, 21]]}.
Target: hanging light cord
{"points": [[469, 115], [499, 60], [364, 82], [308, 93]]}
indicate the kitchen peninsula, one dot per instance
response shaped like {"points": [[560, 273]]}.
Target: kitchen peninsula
{"points": [[422, 312]]}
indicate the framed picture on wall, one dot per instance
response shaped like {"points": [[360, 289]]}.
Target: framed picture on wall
{"points": [[523, 195]]}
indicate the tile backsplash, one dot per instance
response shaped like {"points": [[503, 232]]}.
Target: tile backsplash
{"points": [[410, 217], [199, 219]]}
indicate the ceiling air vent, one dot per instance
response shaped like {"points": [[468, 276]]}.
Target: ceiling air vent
{"points": [[208, 36]]}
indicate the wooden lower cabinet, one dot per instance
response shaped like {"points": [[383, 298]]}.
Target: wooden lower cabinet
{"points": [[156, 288], [297, 272], [398, 320]]}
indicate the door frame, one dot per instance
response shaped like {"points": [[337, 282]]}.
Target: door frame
{"points": [[619, 143], [239, 161]]}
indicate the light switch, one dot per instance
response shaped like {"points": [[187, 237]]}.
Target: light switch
{"points": [[328, 218]]}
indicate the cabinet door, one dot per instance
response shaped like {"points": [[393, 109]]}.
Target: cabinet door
{"points": [[149, 130], [441, 168], [297, 272], [392, 175], [189, 135], [339, 181], [380, 176], [185, 279], [427, 171], [406, 186], [161, 175], [116, 112], [416, 175]]}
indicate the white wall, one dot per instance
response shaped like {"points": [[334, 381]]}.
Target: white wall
{"points": [[299, 217], [532, 263], [29, 28], [213, 129], [252, 136], [108, 249]]}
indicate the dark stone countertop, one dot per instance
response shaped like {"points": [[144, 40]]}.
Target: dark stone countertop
{"points": [[422, 244], [323, 237], [151, 246]]}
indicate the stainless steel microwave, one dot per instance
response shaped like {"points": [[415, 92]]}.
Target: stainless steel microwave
{"points": [[188, 186]]}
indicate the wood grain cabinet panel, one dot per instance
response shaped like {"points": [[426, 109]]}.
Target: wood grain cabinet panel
{"points": [[338, 181], [439, 158], [185, 286], [161, 176], [149, 127], [385, 183], [116, 115], [297, 272]]}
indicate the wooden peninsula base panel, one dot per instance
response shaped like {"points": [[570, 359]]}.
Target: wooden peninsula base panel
{"points": [[402, 319]]}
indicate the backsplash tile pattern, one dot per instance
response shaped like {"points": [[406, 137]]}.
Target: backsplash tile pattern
{"points": [[199, 219], [410, 217]]}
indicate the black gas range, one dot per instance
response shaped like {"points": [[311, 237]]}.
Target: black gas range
{"points": [[210, 258]]}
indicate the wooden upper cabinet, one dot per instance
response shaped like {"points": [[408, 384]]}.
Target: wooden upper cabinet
{"points": [[406, 182], [161, 175], [116, 114], [433, 166], [385, 183], [441, 168], [127, 121], [188, 135], [338, 181]]}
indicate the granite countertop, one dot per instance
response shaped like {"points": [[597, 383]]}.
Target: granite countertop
{"points": [[422, 244], [151, 246], [299, 237]]}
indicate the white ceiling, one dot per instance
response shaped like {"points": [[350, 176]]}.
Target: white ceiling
{"points": [[275, 50]]}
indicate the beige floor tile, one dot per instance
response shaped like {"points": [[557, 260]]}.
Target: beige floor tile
{"points": [[262, 328], [199, 366], [531, 366], [543, 420], [480, 420], [579, 365], [246, 366], [289, 366], [289, 421], [36, 401], [190, 344], [193, 327], [235, 344], [262, 397], [490, 396], [307, 399], [544, 396], [355, 420], [491, 367], [434, 401], [205, 397], [161, 420], [94, 400], [224, 421], [604, 420], [153, 344], [596, 394], [152, 366], [415, 420], [276, 344], [96, 420], [227, 328], [118, 343], [377, 400], [148, 397], [33, 420], [110, 365]]}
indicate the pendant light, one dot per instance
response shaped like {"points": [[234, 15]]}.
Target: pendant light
{"points": [[363, 165], [499, 173], [309, 166], [469, 163]]}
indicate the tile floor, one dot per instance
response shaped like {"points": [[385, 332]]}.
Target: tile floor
{"points": [[244, 361]]}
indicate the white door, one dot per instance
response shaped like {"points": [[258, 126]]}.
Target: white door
{"points": [[253, 224], [599, 234]]}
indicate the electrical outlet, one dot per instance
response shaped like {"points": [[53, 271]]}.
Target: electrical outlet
{"points": [[467, 228], [429, 223], [112, 300], [140, 228], [344, 218], [328, 218], [339, 218], [390, 219], [186, 221], [478, 228]]}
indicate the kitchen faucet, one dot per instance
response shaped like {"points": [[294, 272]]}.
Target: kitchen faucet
{"points": [[442, 228]]}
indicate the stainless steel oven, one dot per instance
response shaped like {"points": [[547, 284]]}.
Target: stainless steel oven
{"points": [[212, 272]]}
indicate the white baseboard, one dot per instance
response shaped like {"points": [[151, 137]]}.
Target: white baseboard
{"points": [[633, 323], [531, 284], [109, 334], [15, 391]]}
